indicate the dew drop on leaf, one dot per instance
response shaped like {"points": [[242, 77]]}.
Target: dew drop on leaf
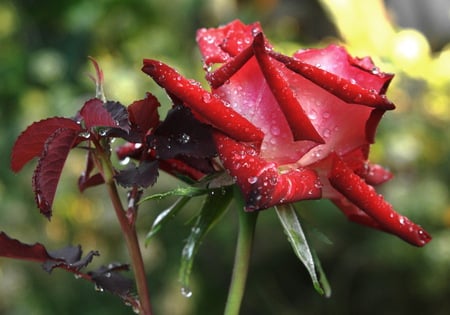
{"points": [[186, 292]]}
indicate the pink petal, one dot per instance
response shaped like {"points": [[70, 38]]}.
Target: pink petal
{"points": [[300, 125]]}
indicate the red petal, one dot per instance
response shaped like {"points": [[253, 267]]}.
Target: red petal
{"points": [[219, 45], [365, 197], [31, 142], [210, 107], [49, 168], [300, 124], [260, 181]]}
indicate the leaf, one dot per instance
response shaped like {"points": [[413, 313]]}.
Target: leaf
{"points": [[119, 114], [49, 168], [289, 219], [165, 216], [87, 180], [214, 207], [31, 142], [68, 258], [143, 114], [95, 114], [108, 278], [181, 134], [190, 191], [144, 175]]}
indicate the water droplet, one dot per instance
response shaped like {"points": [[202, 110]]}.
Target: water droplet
{"points": [[327, 133], [312, 115], [375, 70], [275, 130], [136, 309], [401, 220], [77, 276], [326, 115], [186, 292], [206, 97], [125, 161], [98, 288], [183, 138], [102, 132], [352, 81], [85, 134], [108, 275], [252, 180]]}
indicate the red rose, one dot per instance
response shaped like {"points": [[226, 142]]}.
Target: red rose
{"points": [[293, 128]]}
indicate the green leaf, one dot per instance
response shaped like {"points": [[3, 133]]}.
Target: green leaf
{"points": [[165, 216], [215, 205], [190, 191], [297, 238]]}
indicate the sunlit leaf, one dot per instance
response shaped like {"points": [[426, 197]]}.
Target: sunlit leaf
{"points": [[95, 114], [294, 232], [48, 171], [31, 142], [215, 205]]}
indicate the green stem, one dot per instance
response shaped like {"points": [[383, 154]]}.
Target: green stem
{"points": [[247, 224], [128, 231]]}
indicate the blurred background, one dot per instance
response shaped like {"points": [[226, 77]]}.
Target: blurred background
{"points": [[44, 71]]}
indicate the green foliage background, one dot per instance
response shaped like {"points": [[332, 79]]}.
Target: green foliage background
{"points": [[44, 72]]}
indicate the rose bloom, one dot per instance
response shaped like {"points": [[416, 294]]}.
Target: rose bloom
{"points": [[292, 128]]}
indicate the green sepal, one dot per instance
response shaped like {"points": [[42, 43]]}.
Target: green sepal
{"points": [[294, 232], [214, 207]]}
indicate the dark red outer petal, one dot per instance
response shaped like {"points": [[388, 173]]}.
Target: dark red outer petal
{"points": [[260, 181], [209, 106], [352, 93], [222, 74], [365, 197], [300, 124]]}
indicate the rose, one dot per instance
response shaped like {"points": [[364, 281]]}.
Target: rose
{"points": [[293, 128]]}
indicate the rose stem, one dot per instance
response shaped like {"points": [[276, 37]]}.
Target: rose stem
{"points": [[247, 224], [128, 230]]}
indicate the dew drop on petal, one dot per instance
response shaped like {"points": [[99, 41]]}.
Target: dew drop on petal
{"points": [[206, 97], [252, 180], [275, 130]]}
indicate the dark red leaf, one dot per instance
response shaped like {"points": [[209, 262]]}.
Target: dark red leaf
{"points": [[31, 142], [109, 278], [69, 258], [87, 180], [119, 114], [95, 114], [49, 168], [143, 114], [144, 175], [181, 134]]}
